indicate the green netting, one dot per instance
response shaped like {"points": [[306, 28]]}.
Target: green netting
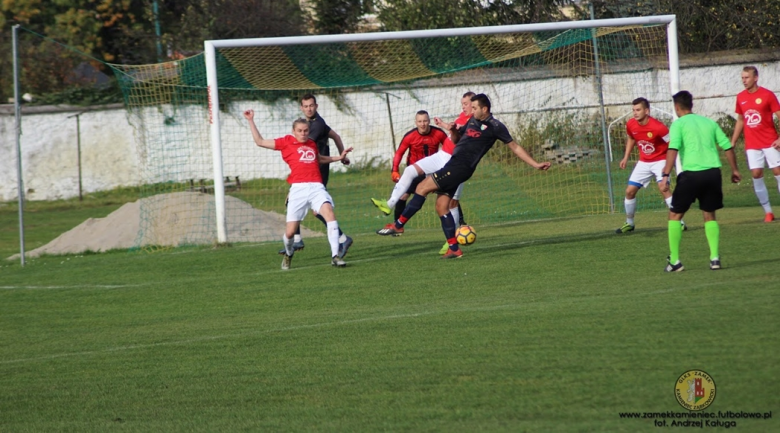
{"points": [[542, 87]]}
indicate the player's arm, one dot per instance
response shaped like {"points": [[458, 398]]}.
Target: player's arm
{"points": [[671, 158], [526, 157], [738, 127], [322, 159], [395, 175], [339, 144], [447, 126], [259, 140], [456, 133], [630, 142], [725, 144], [776, 144]]}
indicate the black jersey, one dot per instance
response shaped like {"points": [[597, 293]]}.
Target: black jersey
{"points": [[318, 131], [477, 137]]}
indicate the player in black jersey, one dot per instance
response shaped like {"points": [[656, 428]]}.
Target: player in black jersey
{"points": [[473, 140]]}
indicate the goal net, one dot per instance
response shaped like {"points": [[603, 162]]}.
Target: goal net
{"points": [[563, 89]]}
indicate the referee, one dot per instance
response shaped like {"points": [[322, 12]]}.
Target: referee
{"points": [[696, 139]]}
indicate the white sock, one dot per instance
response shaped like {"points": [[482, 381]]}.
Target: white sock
{"points": [[402, 186], [777, 178], [333, 237], [297, 238], [763, 195], [288, 244], [630, 210], [455, 215]]}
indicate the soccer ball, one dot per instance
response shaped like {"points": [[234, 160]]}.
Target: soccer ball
{"points": [[466, 235]]}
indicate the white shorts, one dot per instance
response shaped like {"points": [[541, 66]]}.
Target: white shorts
{"points": [[305, 196], [756, 158], [432, 163], [644, 172]]}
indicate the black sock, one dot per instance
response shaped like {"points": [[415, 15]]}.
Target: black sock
{"points": [[321, 218], [462, 221], [399, 208]]}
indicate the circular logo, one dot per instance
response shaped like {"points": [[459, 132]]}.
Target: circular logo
{"points": [[694, 390], [758, 100], [649, 135]]}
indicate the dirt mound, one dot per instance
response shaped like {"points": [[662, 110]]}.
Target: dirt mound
{"points": [[183, 218]]}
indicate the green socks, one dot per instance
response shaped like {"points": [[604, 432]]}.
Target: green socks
{"points": [[675, 235], [712, 230]]}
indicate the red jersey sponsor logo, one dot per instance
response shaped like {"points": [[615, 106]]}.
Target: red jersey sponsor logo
{"points": [[473, 133], [756, 109]]}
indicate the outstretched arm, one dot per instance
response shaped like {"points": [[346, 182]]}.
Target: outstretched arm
{"points": [[259, 140], [322, 159], [526, 157], [339, 144]]}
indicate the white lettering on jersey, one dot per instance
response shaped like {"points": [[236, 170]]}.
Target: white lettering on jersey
{"points": [[646, 147], [307, 154], [752, 118], [666, 138]]}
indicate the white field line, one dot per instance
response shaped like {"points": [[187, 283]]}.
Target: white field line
{"points": [[82, 286], [337, 323]]}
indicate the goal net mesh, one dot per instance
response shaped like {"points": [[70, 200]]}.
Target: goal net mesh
{"points": [[544, 86]]}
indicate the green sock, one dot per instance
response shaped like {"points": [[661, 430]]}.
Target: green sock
{"points": [[712, 230], [675, 235]]}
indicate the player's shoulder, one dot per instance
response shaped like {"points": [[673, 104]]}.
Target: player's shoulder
{"points": [[412, 132], [656, 123], [438, 131], [632, 123], [495, 122]]}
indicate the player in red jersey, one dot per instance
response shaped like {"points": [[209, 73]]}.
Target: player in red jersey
{"points": [[652, 139], [420, 142], [755, 106], [305, 179]]}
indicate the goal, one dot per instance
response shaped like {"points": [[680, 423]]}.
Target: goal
{"points": [[562, 89]]}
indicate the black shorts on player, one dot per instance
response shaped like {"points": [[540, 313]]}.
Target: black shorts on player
{"points": [[704, 186], [449, 177]]}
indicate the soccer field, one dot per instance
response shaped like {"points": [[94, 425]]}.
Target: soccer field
{"points": [[558, 325]]}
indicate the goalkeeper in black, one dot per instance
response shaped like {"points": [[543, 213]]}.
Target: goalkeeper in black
{"points": [[473, 141]]}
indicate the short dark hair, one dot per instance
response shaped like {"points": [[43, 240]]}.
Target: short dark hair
{"points": [[482, 100], [308, 96], [299, 120], [645, 103], [422, 113], [752, 69], [683, 99], [468, 94]]}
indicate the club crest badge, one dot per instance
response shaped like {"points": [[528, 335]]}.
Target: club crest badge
{"points": [[694, 390]]}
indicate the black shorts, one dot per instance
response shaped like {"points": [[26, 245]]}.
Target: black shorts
{"points": [[416, 181], [449, 177], [704, 186]]}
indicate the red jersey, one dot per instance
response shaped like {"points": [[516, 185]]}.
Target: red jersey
{"points": [[757, 109], [652, 139], [301, 157], [462, 120], [419, 146], [448, 146]]}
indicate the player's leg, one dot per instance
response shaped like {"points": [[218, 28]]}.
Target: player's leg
{"points": [[683, 196], [297, 240], [710, 198], [457, 215], [448, 226], [288, 240], [396, 228], [401, 188], [755, 160], [297, 206], [657, 168], [639, 178], [322, 201], [772, 156]]}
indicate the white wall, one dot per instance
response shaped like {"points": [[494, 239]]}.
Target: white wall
{"points": [[110, 155]]}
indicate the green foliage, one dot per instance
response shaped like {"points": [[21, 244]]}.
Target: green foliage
{"points": [[337, 16]]}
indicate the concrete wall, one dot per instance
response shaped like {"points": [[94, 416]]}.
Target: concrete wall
{"points": [[110, 154]]}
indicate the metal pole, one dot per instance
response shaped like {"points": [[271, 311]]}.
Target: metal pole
{"points": [[155, 9], [607, 150], [390, 115], [18, 114], [78, 148]]}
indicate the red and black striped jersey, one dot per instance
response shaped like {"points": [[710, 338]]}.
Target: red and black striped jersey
{"points": [[419, 146]]}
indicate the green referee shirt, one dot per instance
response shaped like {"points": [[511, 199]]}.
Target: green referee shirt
{"points": [[696, 138]]}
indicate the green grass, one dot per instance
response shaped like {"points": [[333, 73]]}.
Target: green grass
{"points": [[555, 325]]}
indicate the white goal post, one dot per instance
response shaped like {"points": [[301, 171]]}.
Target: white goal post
{"points": [[212, 46]]}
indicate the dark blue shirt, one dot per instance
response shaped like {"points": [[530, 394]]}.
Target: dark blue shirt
{"points": [[477, 137]]}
